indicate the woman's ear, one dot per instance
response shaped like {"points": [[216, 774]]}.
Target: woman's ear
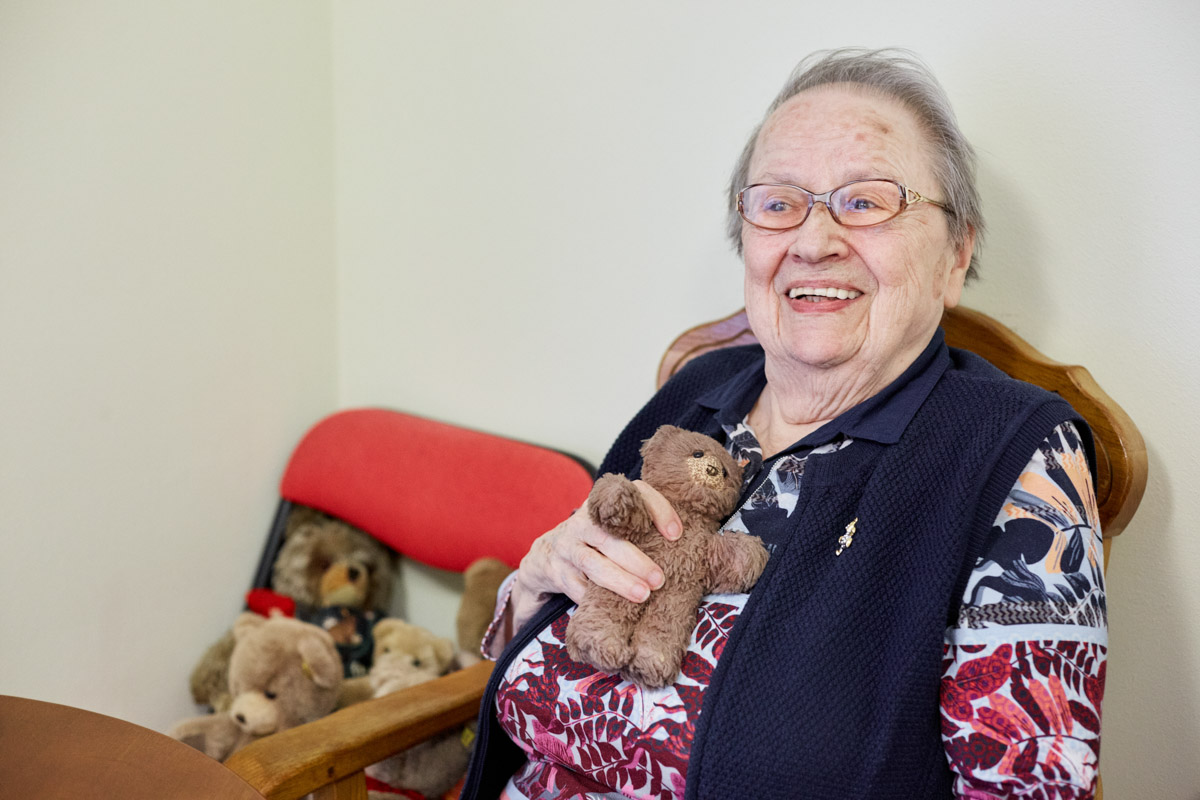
{"points": [[956, 276]]}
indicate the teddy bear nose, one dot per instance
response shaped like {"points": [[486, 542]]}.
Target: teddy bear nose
{"points": [[711, 470], [240, 718]]}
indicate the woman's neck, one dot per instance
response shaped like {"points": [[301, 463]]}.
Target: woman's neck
{"points": [[792, 406]]}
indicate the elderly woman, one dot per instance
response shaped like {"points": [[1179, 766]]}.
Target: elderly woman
{"points": [[931, 622]]}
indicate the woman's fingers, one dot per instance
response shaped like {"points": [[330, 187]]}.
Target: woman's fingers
{"points": [[616, 565], [661, 511], [577, 554]]}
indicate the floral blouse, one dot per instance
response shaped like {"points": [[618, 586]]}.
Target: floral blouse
{"points": [[1023, 668]]}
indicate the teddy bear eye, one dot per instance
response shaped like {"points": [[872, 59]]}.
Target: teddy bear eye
{"points": [[270, 695], [416, 662], [698, 454]]}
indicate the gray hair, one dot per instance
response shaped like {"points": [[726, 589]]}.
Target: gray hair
{"points": [[902, 76]]}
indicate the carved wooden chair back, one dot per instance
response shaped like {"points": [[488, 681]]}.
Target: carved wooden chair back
{"points": [[1120, 452]]}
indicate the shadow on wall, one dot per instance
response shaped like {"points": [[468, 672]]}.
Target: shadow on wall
{"points": [[1152, 707], [1012, 262]]}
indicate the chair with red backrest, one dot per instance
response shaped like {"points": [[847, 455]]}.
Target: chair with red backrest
{"points": [[435, 493]]}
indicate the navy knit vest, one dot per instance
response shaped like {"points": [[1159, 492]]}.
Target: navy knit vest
{"points": [[828, 687]]}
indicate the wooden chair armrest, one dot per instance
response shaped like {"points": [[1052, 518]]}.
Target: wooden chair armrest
{"points": [[292, 763]]}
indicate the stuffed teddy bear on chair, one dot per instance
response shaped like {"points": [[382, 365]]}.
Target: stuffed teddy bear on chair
{"points": [[407, 655], [328, 573], [282, 673], [645, 642]]}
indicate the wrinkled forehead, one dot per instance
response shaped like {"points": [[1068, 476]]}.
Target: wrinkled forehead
{"points": [[841, 132]]}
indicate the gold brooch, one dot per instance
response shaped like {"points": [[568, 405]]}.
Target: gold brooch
{"points": [[847, 538]]}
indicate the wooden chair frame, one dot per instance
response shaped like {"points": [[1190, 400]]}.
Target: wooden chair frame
{"points": [[327, 757]]}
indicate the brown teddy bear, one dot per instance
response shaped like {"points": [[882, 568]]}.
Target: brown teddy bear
{"points": [[326, 572], [407, 655], [282, 673], [481, 582], [646, 642]]}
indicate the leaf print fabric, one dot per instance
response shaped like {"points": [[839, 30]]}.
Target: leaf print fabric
{"points": [[1023, 720], [590, 734], [1023, 673]]}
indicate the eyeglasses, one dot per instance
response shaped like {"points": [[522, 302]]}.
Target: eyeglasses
{"points": [[858, 204]]}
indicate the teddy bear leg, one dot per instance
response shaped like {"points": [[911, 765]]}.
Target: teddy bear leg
{"points": [[661, 639], [429, 769], [600, 629]]}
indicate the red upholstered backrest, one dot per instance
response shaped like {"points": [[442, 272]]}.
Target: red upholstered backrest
{"points": [[437, 493]]}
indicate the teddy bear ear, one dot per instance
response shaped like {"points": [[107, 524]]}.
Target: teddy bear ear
{"points": [[663, 433], [246, 622], [444, 649], [385, 626], [320, 661]]}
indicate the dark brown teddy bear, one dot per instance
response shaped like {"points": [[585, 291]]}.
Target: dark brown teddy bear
{"points": [[646, 642]]}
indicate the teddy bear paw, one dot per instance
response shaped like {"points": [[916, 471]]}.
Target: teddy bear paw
{"points": [[606, 656], [652, 670]]}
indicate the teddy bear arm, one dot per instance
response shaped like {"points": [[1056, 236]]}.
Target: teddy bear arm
{"points": [[215, 735], [617, 506], [209, 681], [735, 561]]}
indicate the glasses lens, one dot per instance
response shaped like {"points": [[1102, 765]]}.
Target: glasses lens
{"points": [[866, 202], [775, 207]]}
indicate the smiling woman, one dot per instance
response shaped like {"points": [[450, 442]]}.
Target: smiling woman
{"points": [[931, 622], [826, 356]]}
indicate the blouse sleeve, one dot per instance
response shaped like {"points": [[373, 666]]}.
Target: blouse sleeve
{"points": [[1023, 667]]}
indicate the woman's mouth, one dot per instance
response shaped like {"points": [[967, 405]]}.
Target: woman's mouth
{"points": [[812, 294]]}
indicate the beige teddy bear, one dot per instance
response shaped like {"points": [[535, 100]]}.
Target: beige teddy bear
{"points": [[407, 655], [322, 563], [282, 673], [645, 642]]}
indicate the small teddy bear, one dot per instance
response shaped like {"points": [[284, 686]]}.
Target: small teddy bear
{"points": [[407, 655], [481, 583], [282, 673], [645, 642], [326, 572]]}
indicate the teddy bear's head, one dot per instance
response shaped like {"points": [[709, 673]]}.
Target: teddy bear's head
{"points": [[407, 654], [325, 562], [283, 673], [692, 470]]}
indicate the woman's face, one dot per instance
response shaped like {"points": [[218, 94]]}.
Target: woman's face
{"points": [[897, 277]]}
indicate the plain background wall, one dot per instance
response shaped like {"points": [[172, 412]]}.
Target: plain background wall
{"points": [[520, 205], [530, 207], [167, 328]]}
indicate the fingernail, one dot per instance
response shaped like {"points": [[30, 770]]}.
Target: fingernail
{"points": [[673, 530], [656, 580], [641, 594]]}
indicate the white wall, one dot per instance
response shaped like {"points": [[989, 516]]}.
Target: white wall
{"points": [[167, 327], [527, 208], [530, 206]]}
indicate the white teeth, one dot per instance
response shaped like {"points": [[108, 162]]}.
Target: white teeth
{"points": [[840, 294]]}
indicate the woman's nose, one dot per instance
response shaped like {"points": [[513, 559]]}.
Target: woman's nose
{"points": [[820, 237]]}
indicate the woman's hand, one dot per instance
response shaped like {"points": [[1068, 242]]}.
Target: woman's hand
{"points": [[577, 553]]}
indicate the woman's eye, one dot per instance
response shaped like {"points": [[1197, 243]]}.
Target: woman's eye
{"points": [[776, 206], [859, 204]]}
